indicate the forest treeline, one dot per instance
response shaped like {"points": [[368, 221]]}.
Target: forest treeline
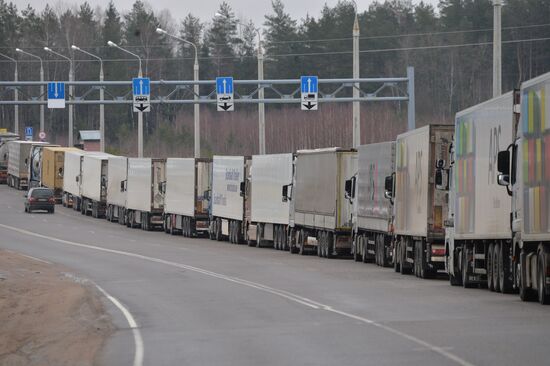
{"points": [[449, 46]]}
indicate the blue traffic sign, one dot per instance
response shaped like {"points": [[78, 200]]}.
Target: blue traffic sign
{"points": [[28, 133], [141, 86], [56, 90], [309, 84], [224, 85]]}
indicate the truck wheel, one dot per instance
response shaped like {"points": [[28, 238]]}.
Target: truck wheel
{"points": [[489, 267], [496, 266], [525, 293], [465, 279], [303, 238], [355, 247], [504, 272], [404, 265], [331, 239], [292, 242], [544, 296], [320, 243], [397, 257]]}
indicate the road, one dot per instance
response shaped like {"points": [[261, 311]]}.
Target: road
{"points": [[201, 302]]}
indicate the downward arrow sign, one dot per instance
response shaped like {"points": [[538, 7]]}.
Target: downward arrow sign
{"points": [[225, 106], [309, 105], [141, 107]]}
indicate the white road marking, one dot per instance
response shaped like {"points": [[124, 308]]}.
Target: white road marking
{"points": [[34, 258], [138, 356], [282, 293]]}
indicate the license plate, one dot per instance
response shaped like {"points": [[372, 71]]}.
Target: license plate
{"points": [[42, 200]]}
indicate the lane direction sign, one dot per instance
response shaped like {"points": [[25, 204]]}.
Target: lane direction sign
{"points": [[310, 91], [224, 93], [141, 89], [28, 133], [56, 95]]}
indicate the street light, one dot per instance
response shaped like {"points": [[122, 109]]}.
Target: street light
{"points": [[140, 113], [101, 97], [41, 85], [196, 91], [356, 108], [16, 92], [261, 106], [71, 79]]}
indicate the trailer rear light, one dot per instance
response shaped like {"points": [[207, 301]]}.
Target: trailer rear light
{"points": [[438, 252], [32, 199], [51, 200]]}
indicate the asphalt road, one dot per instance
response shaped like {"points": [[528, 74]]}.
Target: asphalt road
{"points": [[200, 302]]}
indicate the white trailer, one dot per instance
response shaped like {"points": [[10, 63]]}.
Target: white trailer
{"points": [[229, 188], [18, 161], [117, 168], [321, 211], [93, 184], [72, 168], [373, 218], [268, 219], [5, 137], [478, 226], [524, 168], [419, 209], [186, 203], [145, 193]]}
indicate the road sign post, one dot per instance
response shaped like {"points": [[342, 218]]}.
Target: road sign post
{"points": [[224, 93], [310, 90], [28, 133], [142, 94], [56, 95]]}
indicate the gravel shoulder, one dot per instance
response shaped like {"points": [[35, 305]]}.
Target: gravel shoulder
{"points": [[47, 315]]}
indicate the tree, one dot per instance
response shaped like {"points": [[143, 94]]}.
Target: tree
{"points": [[221, 40]]}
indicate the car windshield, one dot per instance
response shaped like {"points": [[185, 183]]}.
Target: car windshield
{"points": [[41, 193]]}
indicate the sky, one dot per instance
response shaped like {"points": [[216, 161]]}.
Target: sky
{"points": [[205, 9]]}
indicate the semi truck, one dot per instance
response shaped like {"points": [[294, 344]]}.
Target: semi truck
{"points": [[72, 169], [477, 230], [419, 208], [52, 172], [18, 160], [524, 169], [4, 138], [230, 190], [186, 202], [117, 168], [35, 163], [93, 184], [321, 214], [373, 212], [145, 193], [268, 219]]}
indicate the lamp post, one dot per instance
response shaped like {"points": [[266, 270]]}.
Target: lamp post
{"points": [[16, 96], [261, 106], [101, 98], [356, 109], [497, 48], [140, 114], [196, 112], [41, 85], [71, 79]]}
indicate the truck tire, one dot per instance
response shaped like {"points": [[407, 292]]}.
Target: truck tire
{"points": [[292, 242], [504, 272], [320, 239], [302, 241], [331, 239], [495, 267], [397, 258], [464, 267], [543, 295], [525, 293], [489, 267], [404, 265]]}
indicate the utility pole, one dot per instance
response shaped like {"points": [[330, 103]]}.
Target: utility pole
{"points": [[16, 95], [261, 107], [497, 48], [356, 105]]}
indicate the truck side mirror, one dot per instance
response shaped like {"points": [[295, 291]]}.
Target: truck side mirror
{"points": [[122, 186], [77, 178], [441, 179], [503, 162], [206, 195], [286, 193], [242, 187], [388, 187], [350, 188], [503, 180]]}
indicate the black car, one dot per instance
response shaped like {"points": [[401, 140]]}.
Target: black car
{"points": [[39, 199]]}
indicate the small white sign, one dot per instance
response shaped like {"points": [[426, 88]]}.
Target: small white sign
{"points": [[142, 103], [42, 135]]}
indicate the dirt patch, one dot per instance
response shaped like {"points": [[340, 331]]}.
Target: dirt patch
{"points": [[46, 317]]}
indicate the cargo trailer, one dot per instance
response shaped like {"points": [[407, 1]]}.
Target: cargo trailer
{"points": [[18, 162], [477, 234], [268, 217], [4, 138], [93, 184], [117, 168], [524, 168], [419, 208], [186, 202], [230, 192], [52, 172], [35, 163], [72, 169], [145, 193], [373, 212], [321, 214]]}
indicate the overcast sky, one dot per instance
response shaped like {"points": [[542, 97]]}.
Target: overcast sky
{"points": [[205, 9]]}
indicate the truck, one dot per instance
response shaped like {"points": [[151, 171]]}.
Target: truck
{"points": [[230, 193], [268, 217], [72, 170], [93, 184], [145, 193], [321, 214], [117, 168], [4, 138], [477, 230], [373, 212], [523, 168], [52, 172], [18, 160], [186, 202], [419, 209], [35, 163]]}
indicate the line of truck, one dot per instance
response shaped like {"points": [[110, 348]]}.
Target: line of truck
{"points": [[470, 199]]}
